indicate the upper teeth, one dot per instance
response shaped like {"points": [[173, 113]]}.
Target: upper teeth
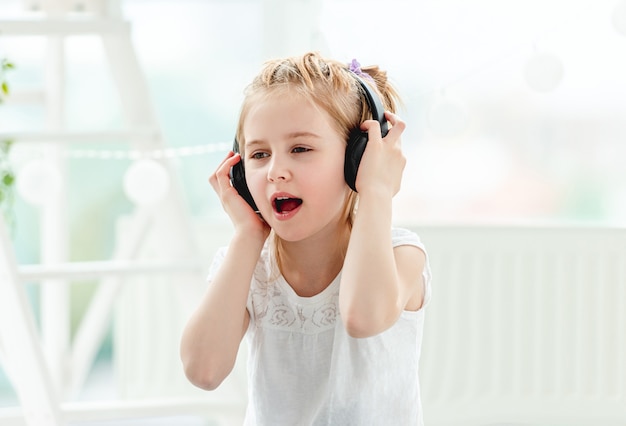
{"points": [[282, 198]]}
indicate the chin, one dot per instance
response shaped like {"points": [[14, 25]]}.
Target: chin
{"points": [[290, 236]]}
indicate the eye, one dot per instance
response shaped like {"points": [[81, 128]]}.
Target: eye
{"points": [[300, 149], [258, 155]]}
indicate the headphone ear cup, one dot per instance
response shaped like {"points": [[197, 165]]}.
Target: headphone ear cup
{"points": [[357, 140], [354, 152], [238, 181]]}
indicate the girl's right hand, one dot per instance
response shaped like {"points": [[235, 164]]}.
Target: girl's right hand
{"points": [[245, 220]]}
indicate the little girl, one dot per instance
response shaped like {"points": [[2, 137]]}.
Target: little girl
{"points": [[332, 303]]}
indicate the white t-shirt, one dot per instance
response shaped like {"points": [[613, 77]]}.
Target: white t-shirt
{"points": [[304, 368]]}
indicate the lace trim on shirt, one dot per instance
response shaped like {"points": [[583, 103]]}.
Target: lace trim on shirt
{"points": [[273, 309]]}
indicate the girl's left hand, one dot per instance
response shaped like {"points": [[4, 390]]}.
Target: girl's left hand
{"points": [[383, 161]]}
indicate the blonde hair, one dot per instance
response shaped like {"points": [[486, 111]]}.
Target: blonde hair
{"points": [[330, 85]]}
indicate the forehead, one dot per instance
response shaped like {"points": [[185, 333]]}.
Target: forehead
{"points": [[284, 113]]}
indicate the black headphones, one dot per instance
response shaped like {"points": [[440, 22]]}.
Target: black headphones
{"points": [[357, 141]]}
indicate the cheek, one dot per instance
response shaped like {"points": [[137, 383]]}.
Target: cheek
{"points": [[338, 177], [329, 183], [331, 172]]}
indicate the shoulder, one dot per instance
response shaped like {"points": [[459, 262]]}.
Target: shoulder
{"points": [[405, 237], [413, 266], [405, 241], [263, 269]]}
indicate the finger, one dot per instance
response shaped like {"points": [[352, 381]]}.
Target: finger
{"points": [[229, 155], [228, 163], [221, 176], [396, 128], [396, 122], [372, 127], [230, 160]]}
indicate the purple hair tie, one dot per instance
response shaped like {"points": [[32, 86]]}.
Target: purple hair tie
{"points": [[355, 67]]}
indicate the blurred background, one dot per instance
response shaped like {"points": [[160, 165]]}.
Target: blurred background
{"points": [[515, 110]]}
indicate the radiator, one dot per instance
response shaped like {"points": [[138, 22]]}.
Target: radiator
{"points": [[526, 325]]}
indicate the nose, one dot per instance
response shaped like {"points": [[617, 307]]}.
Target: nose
{"points": [[278, 169]]}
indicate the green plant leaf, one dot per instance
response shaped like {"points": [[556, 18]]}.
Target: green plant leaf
{"points": [[5, 145], [8, 179]]}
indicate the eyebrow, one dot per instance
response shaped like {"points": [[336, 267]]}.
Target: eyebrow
{"points": [[292, 135], [253, 142], [295, 135]]}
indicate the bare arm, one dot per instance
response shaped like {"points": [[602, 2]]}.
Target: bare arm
{"points": [[212, 336], [378, 282]]}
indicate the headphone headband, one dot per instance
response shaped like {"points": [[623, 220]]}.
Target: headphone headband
{"points": [[375, 105]]}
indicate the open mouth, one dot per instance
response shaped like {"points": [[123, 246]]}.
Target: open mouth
{"points": [[286, 204]]}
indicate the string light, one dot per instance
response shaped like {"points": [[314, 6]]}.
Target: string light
{"points": [[38, 181], [146, 181], [543, 72], [155, 154]]}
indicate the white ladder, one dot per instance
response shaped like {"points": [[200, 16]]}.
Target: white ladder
{"points": [[45, 375], [20, 350]]}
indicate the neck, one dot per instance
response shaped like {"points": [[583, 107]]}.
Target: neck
{"points": [[310, 266]]}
